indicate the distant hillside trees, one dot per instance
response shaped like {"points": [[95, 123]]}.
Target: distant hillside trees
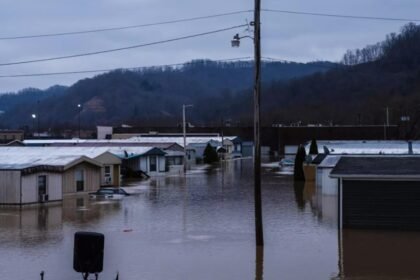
{"points": [[367, 54], [394, 48]]}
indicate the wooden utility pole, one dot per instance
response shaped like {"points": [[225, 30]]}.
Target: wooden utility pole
{"points": [[184, 132], [257, 145]]}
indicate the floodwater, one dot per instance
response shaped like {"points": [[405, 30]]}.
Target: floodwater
{"points": [[201, 227]]}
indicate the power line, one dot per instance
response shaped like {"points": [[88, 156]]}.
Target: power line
{"points": [[340, 15], [125, 27], [114, 69], [200, 18], [124, 48]]}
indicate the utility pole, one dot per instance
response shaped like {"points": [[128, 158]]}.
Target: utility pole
{"points": [[80, 111], [386, 125], [37, 115], [257, 148], [185, 135]]}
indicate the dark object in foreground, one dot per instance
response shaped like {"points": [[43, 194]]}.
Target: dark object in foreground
{"points": [[88, 252]]}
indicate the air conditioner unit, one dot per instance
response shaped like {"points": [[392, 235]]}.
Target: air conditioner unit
{"points": [[43, 198], [108, 180]]}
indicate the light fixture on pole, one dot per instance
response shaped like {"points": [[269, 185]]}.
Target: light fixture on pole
{"points": [[33, 123], [236, 41], [80, 111], [184, 132]]}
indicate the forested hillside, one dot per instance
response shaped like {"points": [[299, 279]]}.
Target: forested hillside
{"points": [[358, 91], [151, 96], [383, 75]]}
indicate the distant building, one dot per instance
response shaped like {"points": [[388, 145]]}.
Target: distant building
{"points": [[7, 136], [104, 132]]}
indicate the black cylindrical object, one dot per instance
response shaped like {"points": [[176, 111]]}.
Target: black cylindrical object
{"points": [[88, 252]]}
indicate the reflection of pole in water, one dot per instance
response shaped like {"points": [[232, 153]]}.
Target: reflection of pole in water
{"points": [[299, 187], [340, 254], [259, 263], [223, 174], [42, 217], [184, 206]]}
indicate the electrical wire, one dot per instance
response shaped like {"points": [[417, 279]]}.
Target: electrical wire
{"points": [[340, 15], [115, 69], [124, 48], [124, 27]]}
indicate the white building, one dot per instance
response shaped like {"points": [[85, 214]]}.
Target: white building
{"points": [[27, 179]]}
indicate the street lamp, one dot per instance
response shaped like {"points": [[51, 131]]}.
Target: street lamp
{"points": [[79, 106], [184, 134], [236, 41], [33, 123]]}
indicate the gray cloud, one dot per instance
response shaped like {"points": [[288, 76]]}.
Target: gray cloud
{"points": [[290, 37]]}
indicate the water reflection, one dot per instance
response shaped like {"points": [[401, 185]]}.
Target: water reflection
{"points": [[200, 226], [259, 263], [17, 224], [299, 186], [380, 254], [305, 193]]}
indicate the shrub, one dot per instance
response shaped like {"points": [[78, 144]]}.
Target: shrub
{"points": [[210, 155], [298, 169]]}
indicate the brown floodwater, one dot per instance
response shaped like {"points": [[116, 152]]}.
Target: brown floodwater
{"points": [[201, 227]]}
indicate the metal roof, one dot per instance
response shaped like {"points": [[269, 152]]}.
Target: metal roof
{"points": [[24, 156], [377, 167], [140, 140], [370, 147], [180, 140]]}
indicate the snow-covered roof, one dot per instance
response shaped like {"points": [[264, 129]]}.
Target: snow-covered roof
{"points": [[134, 140], [90, 152], [23, 161], [367, 147], [180, 140]]}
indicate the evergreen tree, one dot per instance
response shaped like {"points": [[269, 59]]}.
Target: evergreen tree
{"points": [[300, 158], [313, 150], [210, 155]]}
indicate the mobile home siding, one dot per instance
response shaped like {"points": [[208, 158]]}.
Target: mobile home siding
{"points": [[92, 178], [9, 187], [143, 164], [381, 204], [30, 187]]}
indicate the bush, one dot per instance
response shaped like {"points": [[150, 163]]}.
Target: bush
{"points": [[210, 155], [300, 158], [313, 150]]}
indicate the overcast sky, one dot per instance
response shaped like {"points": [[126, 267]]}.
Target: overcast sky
{"points": [[290, 37]]}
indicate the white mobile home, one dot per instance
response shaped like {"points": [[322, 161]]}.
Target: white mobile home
{"points": [[26, 180], [111, 164]]}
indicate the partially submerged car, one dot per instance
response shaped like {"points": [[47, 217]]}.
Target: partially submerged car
{"points": [[109, 193]]}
